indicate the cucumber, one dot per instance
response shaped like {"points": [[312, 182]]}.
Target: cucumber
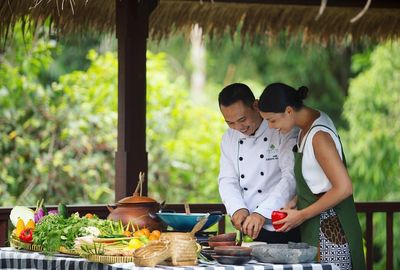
{"points": [[62, 210]]}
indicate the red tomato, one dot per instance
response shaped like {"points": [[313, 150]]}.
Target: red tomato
{"points": [[275, 216]]}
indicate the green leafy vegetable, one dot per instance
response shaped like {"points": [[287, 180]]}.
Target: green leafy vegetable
{"points": [[54, 231]]}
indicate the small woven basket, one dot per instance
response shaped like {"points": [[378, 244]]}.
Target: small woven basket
{"points": [[108, 259], [68, 251], [153, 253], [28, 246], [183, 248]]}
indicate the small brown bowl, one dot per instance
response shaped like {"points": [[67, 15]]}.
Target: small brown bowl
{"points": [[232, 260], [233, 250], [226, 237], [214, 244]]}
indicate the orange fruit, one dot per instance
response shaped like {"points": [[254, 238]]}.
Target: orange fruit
{"points": [[153, 237], [138, 233], [89, 215], [146, 232], [156, 233]]}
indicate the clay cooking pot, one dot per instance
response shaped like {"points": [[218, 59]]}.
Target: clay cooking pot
{"points": [[139, 210]]}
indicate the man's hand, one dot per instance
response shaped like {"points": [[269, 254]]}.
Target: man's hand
{"points": [[238, 218], [253, 224]]}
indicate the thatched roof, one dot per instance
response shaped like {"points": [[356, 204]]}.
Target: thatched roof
{"points": [[380, 21]]}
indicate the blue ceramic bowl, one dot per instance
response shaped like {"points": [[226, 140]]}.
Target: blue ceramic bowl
{"points": [[185, 222]]}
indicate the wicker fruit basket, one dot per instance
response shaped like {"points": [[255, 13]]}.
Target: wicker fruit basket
{"points": [[183, 248], [22, 245], [153, 253], [108, 259], [68, 251]]}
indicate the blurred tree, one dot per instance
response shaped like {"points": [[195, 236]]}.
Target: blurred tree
{"points": [[57, 140], [325, 70], [71, 52], [183, 151], [372, 141], [56, 136]]}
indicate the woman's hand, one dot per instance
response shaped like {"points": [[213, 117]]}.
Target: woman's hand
{"points": [[293, 219]]}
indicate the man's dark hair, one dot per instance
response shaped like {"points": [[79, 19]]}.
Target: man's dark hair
{"points": [[235, 92]]}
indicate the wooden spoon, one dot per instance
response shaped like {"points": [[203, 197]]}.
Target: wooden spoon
{"points": [[187, 209], [199, 224]]}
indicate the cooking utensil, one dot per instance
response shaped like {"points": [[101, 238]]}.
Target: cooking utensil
{"points": [[187, 209], [233, 251], [232, 260], [221, 243], [184, 223], [281, 253], [239, 242], [137, 209], [223, 237], [199, 224]]}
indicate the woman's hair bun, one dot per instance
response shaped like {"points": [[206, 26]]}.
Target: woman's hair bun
{"points": [[302, 92]]}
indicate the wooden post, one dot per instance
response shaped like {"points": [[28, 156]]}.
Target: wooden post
{"points": [[132, 19]]}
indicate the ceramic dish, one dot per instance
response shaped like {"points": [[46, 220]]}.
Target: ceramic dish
{"points": [[232, 260], [185, 222], [217, 244], [223, 237], [233, 251]]}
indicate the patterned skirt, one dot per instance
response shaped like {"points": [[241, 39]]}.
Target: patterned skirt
{"points": [[333, 246]]}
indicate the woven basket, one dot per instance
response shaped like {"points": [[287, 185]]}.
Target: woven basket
{"points": [[108, 259], [28, 246], [153, 253], [183, 248], [65, 250]]}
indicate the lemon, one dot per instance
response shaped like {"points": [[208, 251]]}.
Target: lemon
{"points": [[135, 243]]}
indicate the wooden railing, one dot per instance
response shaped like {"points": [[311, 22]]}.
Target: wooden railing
{"points": [[367, 208]]}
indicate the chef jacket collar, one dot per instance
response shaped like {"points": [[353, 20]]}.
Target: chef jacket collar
{"points": [[261, 129]]}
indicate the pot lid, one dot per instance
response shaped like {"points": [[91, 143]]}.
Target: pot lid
{"points": [[136, 198]]}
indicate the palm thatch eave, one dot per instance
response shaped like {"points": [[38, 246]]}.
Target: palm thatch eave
{"points": [[253, 18]]}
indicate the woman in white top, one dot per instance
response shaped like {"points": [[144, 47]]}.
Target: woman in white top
{"points": [[325, 207]]}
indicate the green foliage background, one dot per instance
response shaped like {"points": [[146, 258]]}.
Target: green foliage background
{"points": [[58, 123], [373, 138]]}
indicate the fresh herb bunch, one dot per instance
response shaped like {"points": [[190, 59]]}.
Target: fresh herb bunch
{"points": [[54, 231]]}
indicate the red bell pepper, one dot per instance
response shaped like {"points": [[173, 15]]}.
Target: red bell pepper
{"points": [[26, 235], [277, 215]]}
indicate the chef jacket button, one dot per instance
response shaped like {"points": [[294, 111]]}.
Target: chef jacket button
{"points": [[242, 176], [257, 206], [265, 139], [261, 156], [262, 173], [245, 188], [240, 158], [259, 191], [241, 142]]}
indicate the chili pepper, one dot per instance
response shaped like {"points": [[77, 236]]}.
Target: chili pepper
{"points": [[20, 226], [26, 235]]}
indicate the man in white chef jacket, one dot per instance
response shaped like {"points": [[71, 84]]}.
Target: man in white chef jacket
{"points": [[256, 167]]}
